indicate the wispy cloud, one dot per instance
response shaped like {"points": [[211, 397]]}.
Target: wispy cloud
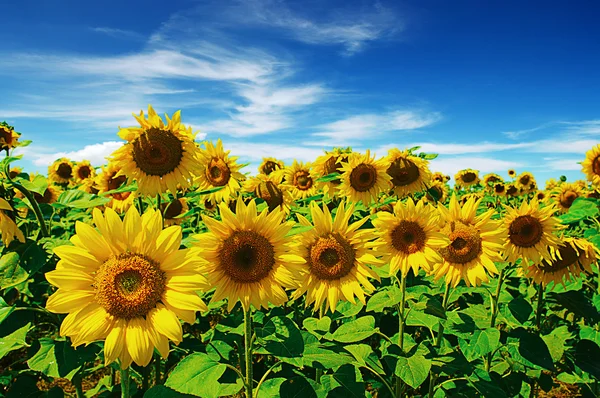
{"points": [[452, 165], [118, 33], [562, 164], [519, 133], [95, 153]]}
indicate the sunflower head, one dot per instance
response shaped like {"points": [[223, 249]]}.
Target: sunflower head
{"points": [[324, 165], [173, 210], [499, 189], [591, 165], [109, 180], [524, 182], [541, 196], [439, 190], [270, 189], [512, 190], [491, 179], [512, 173], [466, 178], [61, 171], [270, 165], [219, 171], [551, 184], [50, 195], [364, 178], [8, 228], [83, 171], [438, 177], [565, 194], [8, 136], [299, 180], [408, 173]]}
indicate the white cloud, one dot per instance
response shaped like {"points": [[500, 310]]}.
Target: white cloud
{"points": [[95, 153], [563, 164], [118, 33]]}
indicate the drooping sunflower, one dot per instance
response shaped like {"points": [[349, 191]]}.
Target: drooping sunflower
{"points": [[466, 178], [573, 257], [364, 178], [327, 164], [271, 190], [410, 237], [61, 171], [565, 194], [127, 283], [110, 179], [512, 173], [158, 156], [476, 242], [173, 210], [408, 173], [83, 171], [270, 165], [441, 192], [499, 189], [50, 195], [219, 170], [591, 165], [8, 136], [299, 180], [338, 258], [524, 181], [8, 227], [248, 257], [490, 179], [531, 231], [14, 172]]}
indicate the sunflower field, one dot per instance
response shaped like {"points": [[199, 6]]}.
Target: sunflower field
{"points": [[171, 272]]}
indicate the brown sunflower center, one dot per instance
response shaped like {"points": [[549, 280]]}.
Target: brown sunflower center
{"points": [[403, 172], [525, 231], [540, 196], [46, 198], [524, 180], [363, 177], [64, 170], [270, 167], [439, 193], [116, 182], [84, 172], [408, 237], [333, 166], [492, 179], [209, 205], [568, 256], [596, 165], [172, 209], [465, 243], [270, 193], [218, 172], [129, 285], [567, 198], [6, 136], [331, 257], [469, 177], [157, 152], [302, 180], [499, 188], [512, 190], [247, 257]]}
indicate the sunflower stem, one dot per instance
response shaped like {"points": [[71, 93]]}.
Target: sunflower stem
{"points": [[319, 372], [438, 339], [36, 208], [78, 387], [140, 204], [125, 383], [157, 370], [248, 350], [494, 309], [540, 306], [399, 383]]}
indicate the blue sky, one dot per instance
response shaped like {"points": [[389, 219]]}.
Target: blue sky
{"points": [[502, 85]]}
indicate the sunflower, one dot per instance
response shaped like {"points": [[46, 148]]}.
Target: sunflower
{"points": [[61, 171], [8, 136], [270, 189], [438, 177], [530, 232], [126, 283], [327, 164], [524, 181], [441, 190], [50, 195], [410, 237], [209, 205], [476, 242], [89, 186], [465, 198], [337, 257], [248, 257], [156, 155], [409, 174], [573, 257], [14, 172], [83, 171], [363, 178], [541, 196], [565, 194], [499, 189], [8, 227], [110, 179], [466, 178], [299, 181], [491, 179], [173, 210], [270, 165], [512, 190], [591, 165], [551, 183], [512, 173], [219, 170]]}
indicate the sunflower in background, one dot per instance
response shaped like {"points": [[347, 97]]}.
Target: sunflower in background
{"points": [[219, 170], [299, 181], [565, 194], [591, 165], [271, 190], [551, 184], [270, 165], [158, 156], [512, 173], [512, 190], [338, 258], [50, 195], [524, 180], [327, 164], [83, 171], [109, 180], [490, 179], [14, 172], [439, 177], [441, 192], [408, 174], [364, 178], [465, 198], [499, 189], [466, 178], [8, 227], [8, 136], [173, 209], [61, 171], [541, 196]]}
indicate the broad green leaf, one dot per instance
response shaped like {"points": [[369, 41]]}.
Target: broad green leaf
{"points": [[346, 309], [14, 341], [164, 392], [589, 333], [556, 342], [5, 310], [11, 273], [281, 337], [587, 354], [413, 370], [59, 358], [344, 382], [384, 299], [532, 350], [270, 387], [38, 185], [356, 330], [296, 387], [317, 327], [365, 356], [482, 343]]}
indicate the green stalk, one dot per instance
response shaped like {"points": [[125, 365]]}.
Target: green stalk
{"points": [[248, 350], [438, 339], [157, 370], [400, 308], [140, 204], [495, 308], [125, 383], [78, 387], [319, 372], [36, 208], [540, 306]]}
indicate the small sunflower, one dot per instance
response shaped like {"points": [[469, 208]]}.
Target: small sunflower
{"points": [[327, 164], [476, 242], [438, 177], [270, 165], [466, 178], [465, 198], [524, 181], [512, 190], [173, 209], [499, 189], [338, 258], [8, 227], [541, 196], [158, 156], [8, 136], [83, 171], [61, 171], [441, 190], [565, 194], [410, 237], [218, 169], [591, 165], [110, 179], [551, 184], [364, 178], [491, 179], [512, 173], [409, 174], [248, 257], [14, 172], [50, 195], [530, 232], [209, 206], [271, 190], [127, 283], [299, 180]]}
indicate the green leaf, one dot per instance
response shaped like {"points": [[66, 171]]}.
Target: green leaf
{"points": [[296, 387], [281, 337], [59, 358], [556, 342], [11, 273], [327, 355], [413, 370], [89, 202], [14, 341], [532, 351], [329, 177], [384, 299], [356, 330], [317, 327], [5, 310], [434, 307], [365, 356], [270, 387], [346, 310], [344, 382], [38, 185], [587, 353], [482, 343], [299, 229], [589, 333], [164, 392], [520, 309]]}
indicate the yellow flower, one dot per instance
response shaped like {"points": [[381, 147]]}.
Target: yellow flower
{"points": [[438, 177], [126, 283], [466, 178], [524, 181], [8, 228], [8, 136], [173, 209], [61, 171], [157, 156], [109, 180], [270, 165], [248, 257], [441, 190], [541, 196], [270, 189], [565, 194], [499, 189], [364, 178], [83, 171], [551, 184], [299, 180], [491, 179], [338, 257], [219, 170], [512, 190], [50, 195], [591, 165], [512, 173], [327, 164], [409, 174]]}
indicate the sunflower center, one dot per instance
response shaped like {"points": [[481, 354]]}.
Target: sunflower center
{"points": [[116, 182], [499, 188], [6, 136], [331, 257], [84, 172], [596, 165], [439, 192], [465, 243], [302, 180], [247, 257], [270, 167], [157, 152], [333, 166], [64, 171], [567, 198], [129, 285], [403, 172], [469, 177], [512, 190], [209, 205], [525, 231], [46, 198], [408, 237], [568, 256], [173, 209], [269, 192], [363, 177]]}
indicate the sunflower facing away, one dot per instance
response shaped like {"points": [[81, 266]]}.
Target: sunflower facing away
{"points": [[591, 165], [50, 195], [530, 232], [475, 243], [491, 179], [127, 283], [8, 136], [565, 194], [248, 256], [8, 228], [410, 237], [219, 170], [441, 192], [466, 178], [157, 156], [299, 180], [83, 171], [61, 171], [270, 165], [364, 178], [338, 258], [110, 180], [271, 190], [327, 164], [408, 173], [173, 210]]}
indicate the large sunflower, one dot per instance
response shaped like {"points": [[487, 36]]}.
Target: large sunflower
{"points": [[299, 180], [270, 189], [573, 257], [530, 231], [248, 257], [158, 156], [109, 180], [591, 165], [269, 165], [466, 178], [8, 136], [410, 237], [338, 258], [83, 171], [61, 171], [364, 178], [219, 170], [8, 227], [565, 194], [126, 283], [476, 242], [408, 173]]}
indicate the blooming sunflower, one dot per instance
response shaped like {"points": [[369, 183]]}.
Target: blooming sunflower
{"points": [[441, 192], [327, 164], [466, 178], [110, 179], [363, 178], [270, 189], [524, 181], [61, 171], [551, 183], [591, 165], [337, 257], [541, 196], [565, 194], [218, 169], [438, 177], [270, 165], [248, 257], [408, 173], [573, 257], [83, 171], [126, 283], [512, 190], [8, 227], [210, 206], [499, 189], [410, 237], [8, 136], [491, 179], [50, 195], [299, 180], [157, 156], [173, 210], [512, 173], [14, 172], [476, 242], [530, 231]]}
